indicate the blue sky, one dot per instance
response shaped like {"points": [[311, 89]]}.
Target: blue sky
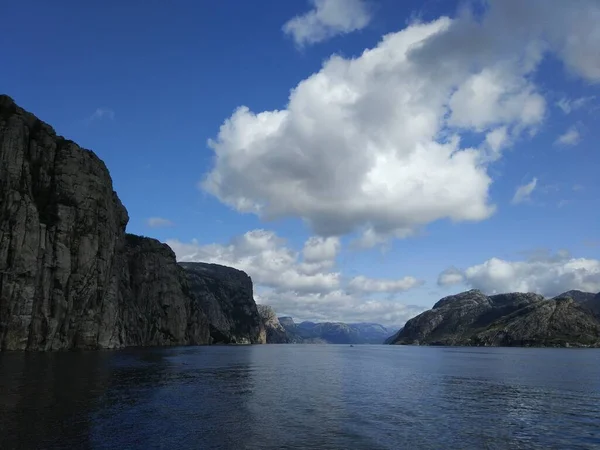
{"points": [[373, 183]]}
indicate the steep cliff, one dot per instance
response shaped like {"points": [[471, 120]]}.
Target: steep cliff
{"points": [[275, 332], [516, 319], [69, 275], [226, 296], [155, 303], [61, 225]]}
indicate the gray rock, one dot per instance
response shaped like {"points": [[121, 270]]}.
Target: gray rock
{"points": [[61, 225], [472, 318], [276, 334], [586, 299], [226, 296]]}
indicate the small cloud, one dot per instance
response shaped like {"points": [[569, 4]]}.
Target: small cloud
{"points": [[327, 19], [450, 276], [102, 113], [569, 105], [523, 193], [578, 187], [570, 137], [563, 203], [159, 222]]}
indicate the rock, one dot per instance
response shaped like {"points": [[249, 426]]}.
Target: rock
{"points": [[226, 296], [61, 225], [559, 322], [276, 334], [155, 303], [515, 319], [70, 277], [586, 299]]}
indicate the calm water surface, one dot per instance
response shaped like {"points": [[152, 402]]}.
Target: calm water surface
{"points": [[302, 396]]}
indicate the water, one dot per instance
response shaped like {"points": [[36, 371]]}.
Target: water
{"points": [[301, 396]]}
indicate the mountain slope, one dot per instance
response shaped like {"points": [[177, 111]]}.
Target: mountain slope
{"points": [[516, 319]]}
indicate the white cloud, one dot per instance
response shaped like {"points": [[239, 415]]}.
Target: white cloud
{"points": [[570, 137], [372, 144], [549, 276], [451, 276], [158, 222], [523, 193], [303, 283], [568, 105], [327, 19], [264, 256], [318, 249], [340, 306], [364, 284]]}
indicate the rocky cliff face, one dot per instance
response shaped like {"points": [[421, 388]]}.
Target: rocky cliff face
{"points": [[472, 318], [226, 296], [275, 332], [61, 225], [69, 275]]}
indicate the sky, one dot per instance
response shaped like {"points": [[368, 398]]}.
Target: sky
{"points": [[359, 159]]}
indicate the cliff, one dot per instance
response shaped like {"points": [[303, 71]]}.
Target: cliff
{"points": [[226, 296], [70, 277], [516, 319], [275, 332]]}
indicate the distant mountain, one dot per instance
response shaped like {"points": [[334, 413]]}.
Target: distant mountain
{"points": [[335, 332], [515, 319]]}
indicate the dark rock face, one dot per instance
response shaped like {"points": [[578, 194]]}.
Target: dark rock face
{"points": [[155, 304], [516, 319], [69, 275], [226, 296], [275, 332], [61, 225]]}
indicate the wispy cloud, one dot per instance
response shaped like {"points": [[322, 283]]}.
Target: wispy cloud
{"points": [[570, 137], [327, 19], [101, 114], [568, 105], [159, 222], [523, 193]]}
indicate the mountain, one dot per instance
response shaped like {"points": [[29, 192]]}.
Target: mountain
{"points": [[586, 299], [515, 319], [335, 332], [70, 276]]}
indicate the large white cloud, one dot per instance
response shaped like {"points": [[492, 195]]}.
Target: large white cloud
{"points": [[327, 19], [372, 143], [545, 274], [303, 284]]}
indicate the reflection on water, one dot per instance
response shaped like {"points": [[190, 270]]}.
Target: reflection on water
{"points": [[293, 396]]}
